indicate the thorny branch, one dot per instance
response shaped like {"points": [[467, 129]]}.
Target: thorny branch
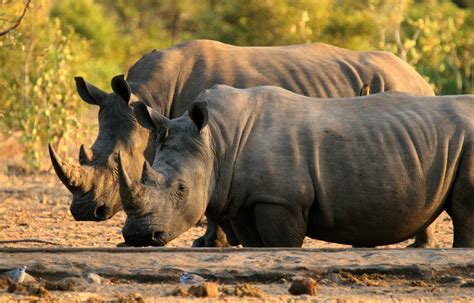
{"points": [[18, 21]]}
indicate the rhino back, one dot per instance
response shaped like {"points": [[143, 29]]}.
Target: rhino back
{"points": [[388, 157], [175, 76]]}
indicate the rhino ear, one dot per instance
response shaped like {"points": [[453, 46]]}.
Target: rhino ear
{"points": [[88, 92], [148, 117], [198, 113], [121, 87]]}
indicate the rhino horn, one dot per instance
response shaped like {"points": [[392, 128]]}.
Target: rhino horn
{"points": [[130, 192], [149, 175], [73, 177], [85, 155]]}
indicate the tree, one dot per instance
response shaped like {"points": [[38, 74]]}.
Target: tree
{"points": [[17, 22]]}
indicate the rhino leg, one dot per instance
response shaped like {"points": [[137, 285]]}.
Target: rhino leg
{"points": [[245, 230], [280, 226], [425, 238], [214, 236], [461, 206], [229, 233]]}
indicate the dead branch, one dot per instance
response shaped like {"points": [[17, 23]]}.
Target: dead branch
{"points": [[18, 21], [29, 241]]}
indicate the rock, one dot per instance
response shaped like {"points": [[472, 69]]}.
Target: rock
{"points": [[448, 279], [305, 286], [70, 284], [179, 292], [93, 278], [247, 290], [208, 289], [468, 284], [5, 282], [189, 278], [131, 298]]}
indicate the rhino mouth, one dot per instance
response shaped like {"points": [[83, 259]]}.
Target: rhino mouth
{"points": [[148, 237], [85, 208], [140, 240]]}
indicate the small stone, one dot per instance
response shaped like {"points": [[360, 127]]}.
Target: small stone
{"points": [[5, 282], [70, 284], [38, 291], [93, 278], [305, 286], [468, 284], [44, 199], [179, 292], [247, 290], [208, 289], [447, 279], [131, 298], [189, 278]]}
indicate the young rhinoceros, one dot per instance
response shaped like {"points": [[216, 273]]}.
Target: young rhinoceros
{"points": [[169, 80], [279, 166]]}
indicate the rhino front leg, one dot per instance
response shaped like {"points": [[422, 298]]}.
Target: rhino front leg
{"points": [[425, 238], [213, 237], [280, 225]]}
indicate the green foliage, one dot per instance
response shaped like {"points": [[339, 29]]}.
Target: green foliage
{"points": [[440, 44], [36, 90], [60, 39]]}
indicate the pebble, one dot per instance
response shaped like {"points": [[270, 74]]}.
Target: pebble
{"points": [[189, 278], [93, 278], [305, 286]]}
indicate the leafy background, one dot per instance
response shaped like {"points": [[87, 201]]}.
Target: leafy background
{"points": [[58, 40]]}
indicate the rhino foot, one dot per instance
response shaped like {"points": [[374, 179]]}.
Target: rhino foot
{"points": [[423, 244], [425, 238], [214, 237], [200, 242]]}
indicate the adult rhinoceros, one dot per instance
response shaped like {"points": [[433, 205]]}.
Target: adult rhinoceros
{"points": [[279, 166], [169, 80]]}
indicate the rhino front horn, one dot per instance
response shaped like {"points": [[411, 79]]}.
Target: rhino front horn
{"points": [[85, 155], [129, 191], [71, 176]]}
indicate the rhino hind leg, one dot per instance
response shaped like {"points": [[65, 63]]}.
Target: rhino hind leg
{"points": [[425, 238], [278, 226], [461, 204]]}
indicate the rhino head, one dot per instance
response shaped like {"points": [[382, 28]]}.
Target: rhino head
{"points": [[93, 183], [172, 195]]}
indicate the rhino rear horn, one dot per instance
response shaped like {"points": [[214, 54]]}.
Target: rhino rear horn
{"points": [[149, 175], [73, 177], [120, 87], [85, 155], [129, 191]]}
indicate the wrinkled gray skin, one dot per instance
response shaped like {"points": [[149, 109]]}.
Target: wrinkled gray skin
{"points": [[169, 80], [278, 166]]}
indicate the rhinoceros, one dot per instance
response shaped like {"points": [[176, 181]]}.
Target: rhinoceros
{"points": [[169, 80], [364, 171]]}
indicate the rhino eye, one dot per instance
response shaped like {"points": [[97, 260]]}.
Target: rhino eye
{"points": [[181, 189]]}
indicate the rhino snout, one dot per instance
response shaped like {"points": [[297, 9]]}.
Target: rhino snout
{"points": [[146, 239], [91, 212]]}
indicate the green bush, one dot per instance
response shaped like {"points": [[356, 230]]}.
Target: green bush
{"points": [[36, 82], [58, 40]]}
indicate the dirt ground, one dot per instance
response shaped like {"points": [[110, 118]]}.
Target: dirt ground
{"points": [[34, 213]]}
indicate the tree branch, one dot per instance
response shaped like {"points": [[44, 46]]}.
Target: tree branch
{"points": [[18, 21]]}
